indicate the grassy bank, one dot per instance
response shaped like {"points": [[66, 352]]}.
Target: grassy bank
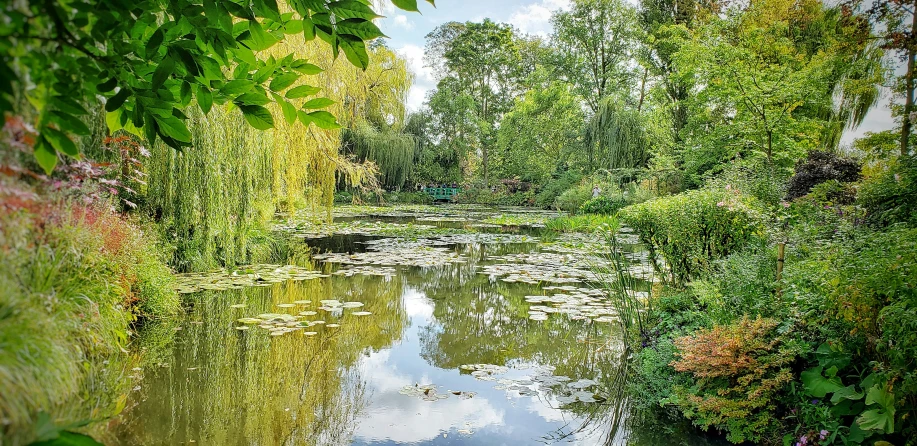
{"points": [[74, 278]]}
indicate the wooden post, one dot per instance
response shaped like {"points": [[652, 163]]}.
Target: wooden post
{"points": [[781, 251]]}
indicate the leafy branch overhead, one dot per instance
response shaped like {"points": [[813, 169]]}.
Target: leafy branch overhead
{"points": [[150, 60]]}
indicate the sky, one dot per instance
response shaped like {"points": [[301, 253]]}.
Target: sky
{"points": [[406, 31]]}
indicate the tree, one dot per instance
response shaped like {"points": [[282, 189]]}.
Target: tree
{"points": [[482, 61], [596, 41], [541, 132], [150, 60], [898, 34]]}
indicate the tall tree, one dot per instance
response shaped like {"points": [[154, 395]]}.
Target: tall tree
{"points": [[596, 41]]}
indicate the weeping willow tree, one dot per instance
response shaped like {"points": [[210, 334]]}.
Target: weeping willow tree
{"points": [[210, 197], [391, 152], [616, 137], [213, 198]]}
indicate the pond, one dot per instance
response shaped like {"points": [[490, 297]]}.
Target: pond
{"points": [[462, 334]]}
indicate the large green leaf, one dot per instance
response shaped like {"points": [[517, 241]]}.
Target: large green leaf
{"points": [[882, 418], [302, 91], [818, 385], [318, 103], [354, 49], [349, 9], [257, 116], [407, 5], [321, 119], [362, 28], [282, 82], [60, 141], [174, 128], [45, 155]]}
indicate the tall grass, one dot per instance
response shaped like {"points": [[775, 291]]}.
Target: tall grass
{"points": [[625, 290], [583, 223], [73, 279]]}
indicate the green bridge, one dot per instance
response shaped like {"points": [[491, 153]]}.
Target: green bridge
{"points": [[443, 193]]}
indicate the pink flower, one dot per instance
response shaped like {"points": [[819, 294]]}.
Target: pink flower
{"points": [[721, 204], [823, 434]]}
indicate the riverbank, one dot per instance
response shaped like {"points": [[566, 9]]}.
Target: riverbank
{"points": [[75, 277]]}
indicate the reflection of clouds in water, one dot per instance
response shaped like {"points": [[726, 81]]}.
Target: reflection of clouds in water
{"points": [[401, 418], [410, 419], [545, 406], [416, 304]]}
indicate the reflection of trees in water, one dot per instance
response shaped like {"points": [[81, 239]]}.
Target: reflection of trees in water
{"points": [[480, 321], [249, 388]]}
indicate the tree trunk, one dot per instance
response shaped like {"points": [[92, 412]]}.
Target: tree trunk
{"points": [[642, 90], [909, 88]]}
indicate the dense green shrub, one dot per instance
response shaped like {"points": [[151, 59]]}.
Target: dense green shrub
{"points": [[604, 205], [572, 199], [558, 185], [891, 196], [692, 229]]}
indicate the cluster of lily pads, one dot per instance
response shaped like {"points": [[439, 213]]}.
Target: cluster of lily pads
{"points": [[576, 303], [392, 255], [430, 392], [279, 324], [245, 276], [565, 389], [541, 267]]}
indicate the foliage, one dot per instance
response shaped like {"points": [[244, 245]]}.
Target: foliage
{"points": [[604, 205], [392, 153], [596, 40], [583, 223], [150, 60], [540, 132], [615, 137], [574, 198], [890, 195], [692, 229], [819, 167], [738, 371], [560, 182], [74, 278]]}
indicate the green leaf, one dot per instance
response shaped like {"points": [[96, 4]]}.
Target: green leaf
{"points": [[70, 123], [115, 102], [152, 45], [318, 103], [204, 98], [292, 27], [877, 420], [60, 141], [261, 40], [819, 386], [107, 86], [308, 29], [302, 91], [349, 9], [289, 111], [163, 71], [361, 28], [68, 105], [848, 392], [280, 83], [355, 50], [321, 119], [253, 98], [174, 128], [236, 87], [306, 68], [257, 116], [45, 155], [407, 5]]}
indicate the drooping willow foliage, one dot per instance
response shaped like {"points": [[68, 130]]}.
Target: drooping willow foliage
{"points": [[616, 137], [391, 152], [212, 197]]}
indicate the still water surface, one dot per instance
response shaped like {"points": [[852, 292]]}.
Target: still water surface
{"points": [[206, 382]]}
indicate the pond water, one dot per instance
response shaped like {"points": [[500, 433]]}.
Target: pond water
{"points": [[454, 336]]}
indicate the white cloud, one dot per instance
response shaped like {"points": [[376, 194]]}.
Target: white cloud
{"points": [[402, 21], [536, 18], [423, 76]]}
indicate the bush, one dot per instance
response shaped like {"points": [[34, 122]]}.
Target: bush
{"points": [[549, 193], [692, 229], [603, 205], [583, 223], [891, 196], [572, 199], [819, 167], [738, 371]]}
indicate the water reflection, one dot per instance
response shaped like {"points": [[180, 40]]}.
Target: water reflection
{"points": [[204, 381]]}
